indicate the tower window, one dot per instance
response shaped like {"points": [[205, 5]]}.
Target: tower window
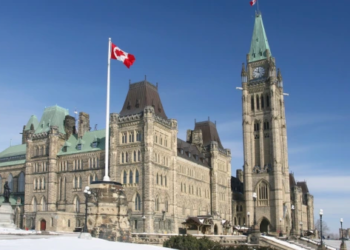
{"points": [[257, 102], [263, 194], [267, 101], [252, 103], [262, 101]]}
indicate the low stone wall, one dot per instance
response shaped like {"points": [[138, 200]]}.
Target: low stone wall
{"points": [[158, 239]]}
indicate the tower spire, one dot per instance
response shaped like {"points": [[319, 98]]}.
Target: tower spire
{"points": [[260, 44]]}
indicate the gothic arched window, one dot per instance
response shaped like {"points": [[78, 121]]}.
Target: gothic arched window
{"points": [[130, 177], [166, 205], [126, 157], [139, 155], [252, 103], [267, 101], [263, 194], [125, 177], [10, 181], [21, 182], [257, 102], [157, 204], [34, 205], [137, 202], [76, 204], [137, 177], [262, 101], [134, 156]]}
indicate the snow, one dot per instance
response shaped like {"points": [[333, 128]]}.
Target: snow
{"points": [[17, 231], [285, 243], [61, 242]]}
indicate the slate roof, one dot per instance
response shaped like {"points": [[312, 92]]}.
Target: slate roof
{"points": [[86, 143], [140, 95], [193, 150], [209, 132], [32, 120], [292, 182], [52, 116]]}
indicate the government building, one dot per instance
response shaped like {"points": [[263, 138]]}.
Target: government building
{"points": [[170, 184]]}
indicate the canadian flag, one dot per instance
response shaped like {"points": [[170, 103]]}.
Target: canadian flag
{"points": [[252, 2], [122, 56]]}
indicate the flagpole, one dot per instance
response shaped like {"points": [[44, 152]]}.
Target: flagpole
{"points": [[106, 177], [257, 5]]}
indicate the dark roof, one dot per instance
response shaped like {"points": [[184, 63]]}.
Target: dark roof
{"points": [[209, 132], [193, 150], [292, 182], [303, 186], [140, 95], [236, 185]]}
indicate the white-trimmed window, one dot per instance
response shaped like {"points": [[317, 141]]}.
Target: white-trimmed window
{"points": [[263, 194], [137, 202], [124, 138]]}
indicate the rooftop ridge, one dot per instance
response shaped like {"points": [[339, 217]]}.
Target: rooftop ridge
{"points": [[137, 84]]}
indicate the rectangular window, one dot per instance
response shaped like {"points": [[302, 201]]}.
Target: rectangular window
{"points": [[135, 224]]}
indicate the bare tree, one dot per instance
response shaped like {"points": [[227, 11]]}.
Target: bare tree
{"points": [[325, 228]]}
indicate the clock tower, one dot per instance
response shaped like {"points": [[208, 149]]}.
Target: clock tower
{"points": [[266, 171]]}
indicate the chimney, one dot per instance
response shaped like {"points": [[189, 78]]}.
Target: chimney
{"points": [[84, 124], [69, 126]]}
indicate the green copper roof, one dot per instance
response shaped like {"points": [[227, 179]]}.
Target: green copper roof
{"points": [[14, 150], [52, 116], [86, 143], [259, 43], [14, 155], [32, 120]]}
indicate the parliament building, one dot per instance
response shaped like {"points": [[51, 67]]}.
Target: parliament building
{"points": [[170, 184]]}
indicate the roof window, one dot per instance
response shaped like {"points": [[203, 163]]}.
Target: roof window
{"points": [[79, 146], [94, 144]]}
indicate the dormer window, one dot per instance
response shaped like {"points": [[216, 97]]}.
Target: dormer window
{"points": [[129, 106], [64, 149], [94, 144], [79, 146]]}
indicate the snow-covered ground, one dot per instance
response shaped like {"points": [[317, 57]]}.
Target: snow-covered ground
{"points": [[17, 231], [282, 242], [61, 242]]}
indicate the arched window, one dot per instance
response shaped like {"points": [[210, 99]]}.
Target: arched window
{"points": [[137, 202], [263, 194], [157, 204], [252, 103], [80, 182], [157, 179], [37, 151], [181, 187], [122, 157], [97, 162], [125, 177], [76, 205], [257, 102], [131, 137], [124, 136], [126, 157], [21, 182], [10, 182], [43, 204], [134, 156], [130, 177], [165, 181], [91, 179], [241, 208], [139, 155], [137, 177], [161, 180], [75, 182], [0, 185], [262, 101], [43, 183], [267, 101], [34, 205]]}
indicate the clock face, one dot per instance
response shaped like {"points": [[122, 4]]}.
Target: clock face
{"points": [[258, 72]]}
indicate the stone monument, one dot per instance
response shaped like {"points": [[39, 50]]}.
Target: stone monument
{"points": [[108, 212], [6, 211]]}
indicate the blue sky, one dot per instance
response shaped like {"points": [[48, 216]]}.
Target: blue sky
{"points": [[55, 52]]}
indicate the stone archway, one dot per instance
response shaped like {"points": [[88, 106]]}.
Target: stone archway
{"points": [[264, 226]]}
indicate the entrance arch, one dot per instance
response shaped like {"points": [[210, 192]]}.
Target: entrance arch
{"points": [[215, 229], [42, 225], [264, 226]]}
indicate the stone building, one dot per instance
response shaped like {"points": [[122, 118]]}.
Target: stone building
{"points": [[266, 169], [165, 178]]}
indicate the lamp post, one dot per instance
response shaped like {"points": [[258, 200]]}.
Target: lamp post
{"points": [[342, 245], [321, 213], [280, 234], [254, 198], [87, 192], [248, 214], [293, 219], [301, 229], [144, 226]]}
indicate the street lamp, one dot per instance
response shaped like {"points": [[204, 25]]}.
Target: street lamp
{"points": [[321, 213], [254, 198], [144, 226], [293, 218], [281, 234], [341, 228], [301, 229], [87, 192], [248, 214]]}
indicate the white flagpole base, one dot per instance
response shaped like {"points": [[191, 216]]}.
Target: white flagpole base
{"points": [[106, 178]]}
